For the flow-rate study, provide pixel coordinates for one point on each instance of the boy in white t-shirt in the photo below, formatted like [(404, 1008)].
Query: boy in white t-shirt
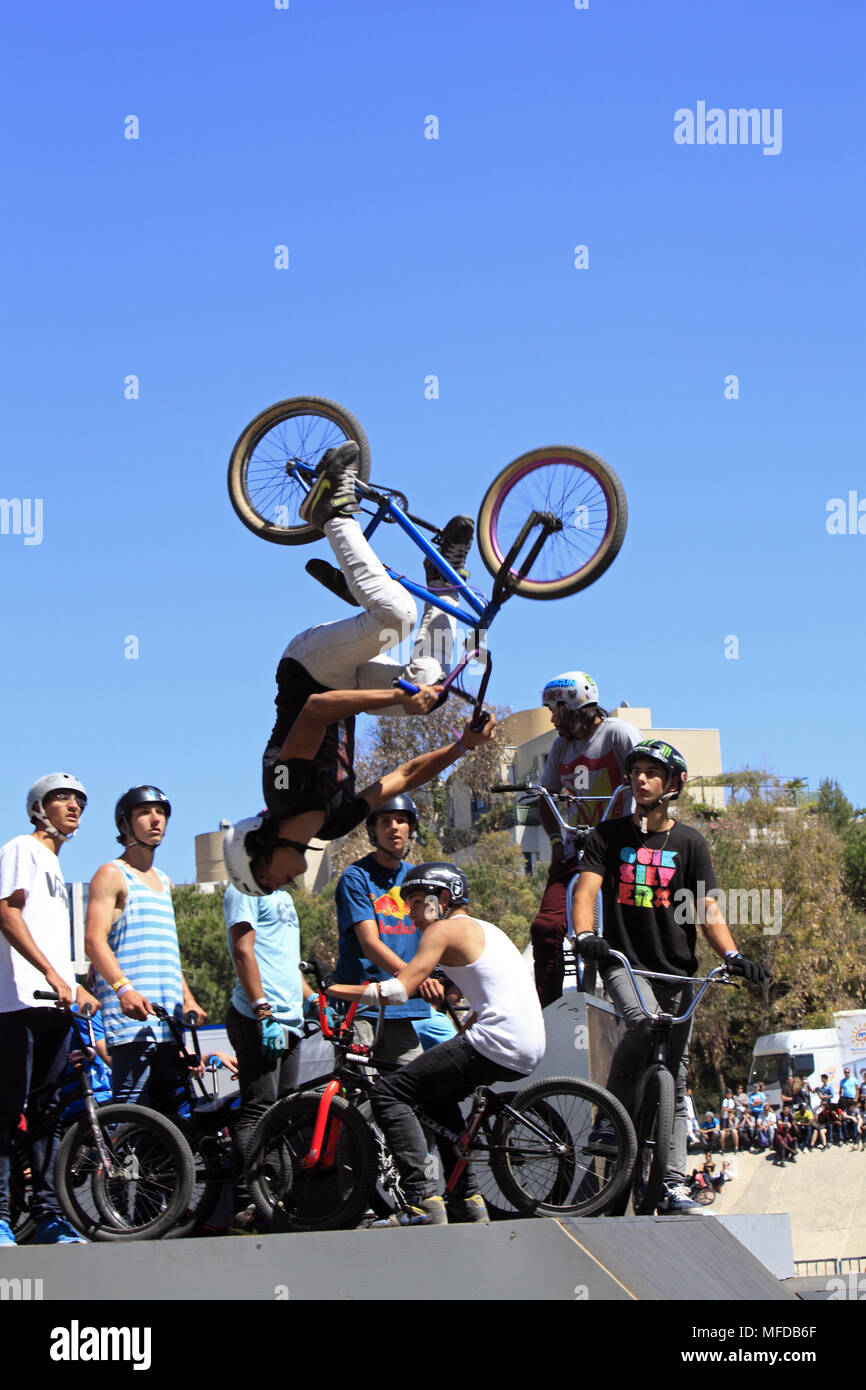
[(35, 955)]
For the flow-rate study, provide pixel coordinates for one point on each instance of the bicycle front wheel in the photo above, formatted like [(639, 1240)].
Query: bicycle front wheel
[(655, 1123), (563, 1148), (263, 491), (145, 1191), (580, 493), (332, 1193)]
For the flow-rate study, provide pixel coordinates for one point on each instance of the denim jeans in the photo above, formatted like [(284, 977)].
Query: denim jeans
[(436, 1081), (632, 1054), (34, 1044)]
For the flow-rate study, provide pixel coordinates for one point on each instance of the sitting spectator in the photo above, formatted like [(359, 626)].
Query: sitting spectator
[(710, 1131), (784, 1140), (854, 1124), (835, 1125), (804, 1124), (729, 1122), (822, 1125), (767, 1127), (693, 1136)]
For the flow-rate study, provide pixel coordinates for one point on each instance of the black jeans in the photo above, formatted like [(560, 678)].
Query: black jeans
[(34, 1044), (262, 1080), (437, 1081)]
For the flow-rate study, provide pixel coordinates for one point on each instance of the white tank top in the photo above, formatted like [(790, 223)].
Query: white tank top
[(509, 1028)]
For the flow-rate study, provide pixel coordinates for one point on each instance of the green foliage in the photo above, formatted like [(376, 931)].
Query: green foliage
[(832, 803), (204, 954), (854, 864), (814, 954), (501, 892)]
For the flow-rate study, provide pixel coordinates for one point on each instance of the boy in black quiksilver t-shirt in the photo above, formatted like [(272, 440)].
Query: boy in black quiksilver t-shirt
[(656, 879)]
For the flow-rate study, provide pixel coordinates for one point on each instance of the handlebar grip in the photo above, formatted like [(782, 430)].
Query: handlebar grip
[(46, 994), (407, 686), (509, 787)]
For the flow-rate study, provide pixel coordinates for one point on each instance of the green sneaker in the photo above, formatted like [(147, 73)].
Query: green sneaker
[(470, 1210), (333, 490)]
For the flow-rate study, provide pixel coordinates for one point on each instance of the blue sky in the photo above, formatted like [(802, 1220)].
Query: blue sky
[(409, 257)]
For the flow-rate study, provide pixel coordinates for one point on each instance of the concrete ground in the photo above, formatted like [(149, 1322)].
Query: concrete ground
[(824, 1193)]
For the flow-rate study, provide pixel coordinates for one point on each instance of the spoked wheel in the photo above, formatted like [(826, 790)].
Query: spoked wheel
[(567, 1151), (655, 1123), (582, 497), (704, 1196), (148, 1188), (330, 1195), (294, 432)]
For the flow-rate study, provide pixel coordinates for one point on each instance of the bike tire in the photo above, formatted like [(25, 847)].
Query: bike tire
[(212, 1159), (556, 1175), (330, 1196), (153, 1192), (581, 491), (301, 428), (704, 1196), (655, 1123)]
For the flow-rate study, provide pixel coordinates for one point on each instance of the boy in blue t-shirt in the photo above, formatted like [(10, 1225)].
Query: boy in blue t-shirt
[(377, 934)]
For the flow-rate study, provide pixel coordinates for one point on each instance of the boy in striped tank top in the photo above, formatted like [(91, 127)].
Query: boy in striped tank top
[(131, 938)]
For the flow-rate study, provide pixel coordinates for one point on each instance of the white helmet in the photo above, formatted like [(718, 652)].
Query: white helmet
[(51, 782), (573, 688), (237, 860)]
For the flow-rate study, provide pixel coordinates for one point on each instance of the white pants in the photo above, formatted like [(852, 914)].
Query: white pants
[(351, 654)]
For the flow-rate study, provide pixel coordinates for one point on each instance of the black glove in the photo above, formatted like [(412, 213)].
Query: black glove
[(592, 947), (748, 969)]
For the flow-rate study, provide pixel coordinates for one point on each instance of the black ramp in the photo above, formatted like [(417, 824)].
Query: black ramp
[(676, 1257)]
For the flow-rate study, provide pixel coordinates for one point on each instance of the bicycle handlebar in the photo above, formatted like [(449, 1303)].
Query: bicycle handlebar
[(549, 797), (719, 975)]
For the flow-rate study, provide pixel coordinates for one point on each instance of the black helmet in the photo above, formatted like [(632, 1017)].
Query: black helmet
[(397, 803), (657, 751), (432, 878), (138, 796)]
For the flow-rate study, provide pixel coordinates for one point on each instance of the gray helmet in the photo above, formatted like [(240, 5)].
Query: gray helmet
[(137, 796), (52, 782), (432, 878), (397, 803)]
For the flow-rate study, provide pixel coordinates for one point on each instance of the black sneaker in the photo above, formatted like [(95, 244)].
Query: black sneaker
[(455, 540), (678, 1202), (332, 578), (333, 490), (602, 1141)]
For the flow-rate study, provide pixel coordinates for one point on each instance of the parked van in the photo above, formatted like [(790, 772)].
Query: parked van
[(808, 1053)]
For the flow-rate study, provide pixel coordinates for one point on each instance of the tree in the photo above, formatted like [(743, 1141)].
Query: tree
[(500, 891), (204, 953), (786, 905), (832, 803)]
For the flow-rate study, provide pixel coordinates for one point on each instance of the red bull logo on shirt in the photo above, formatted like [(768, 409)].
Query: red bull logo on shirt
[(392, 914)]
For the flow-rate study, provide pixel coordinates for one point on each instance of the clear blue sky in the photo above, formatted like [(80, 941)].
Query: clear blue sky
[(411, 256)]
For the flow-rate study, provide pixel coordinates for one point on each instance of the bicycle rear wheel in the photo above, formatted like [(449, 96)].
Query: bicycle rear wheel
[(655, 1123), (294, 431), (577, 489), (333, 1193), (149, 1189), (567, 1151)]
